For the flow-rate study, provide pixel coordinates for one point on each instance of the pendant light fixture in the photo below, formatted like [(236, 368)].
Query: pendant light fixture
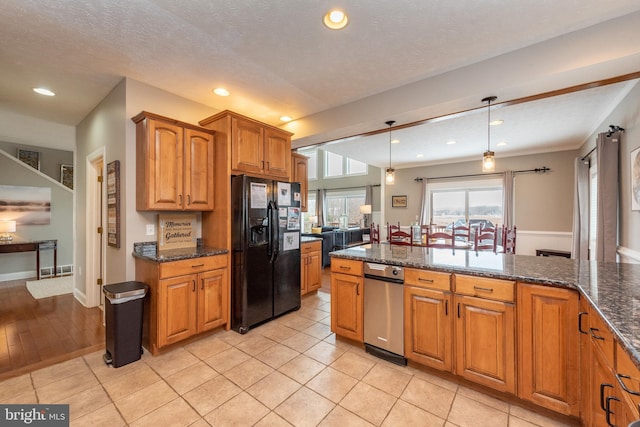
[(488, 158), (390, 176)]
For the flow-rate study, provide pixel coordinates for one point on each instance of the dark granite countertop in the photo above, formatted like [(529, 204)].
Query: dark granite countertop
[(307, 239), (149, 251), (613, 289)]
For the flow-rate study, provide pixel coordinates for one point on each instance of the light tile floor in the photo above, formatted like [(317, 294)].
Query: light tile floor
[(291, 371)]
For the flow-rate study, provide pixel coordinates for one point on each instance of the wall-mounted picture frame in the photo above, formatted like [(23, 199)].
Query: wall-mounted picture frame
[(32, 158), (113, 204), (66, 175), (635, 179), (398, 201)]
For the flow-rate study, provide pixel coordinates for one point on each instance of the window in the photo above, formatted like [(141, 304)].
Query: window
[(312, 163), (311, 212), (471, 201), (337, 166), (344, 202)]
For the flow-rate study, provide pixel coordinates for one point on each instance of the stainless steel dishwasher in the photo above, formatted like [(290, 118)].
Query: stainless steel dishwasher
[(383, 312)]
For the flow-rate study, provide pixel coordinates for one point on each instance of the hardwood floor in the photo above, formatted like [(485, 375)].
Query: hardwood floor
[(38, 333)]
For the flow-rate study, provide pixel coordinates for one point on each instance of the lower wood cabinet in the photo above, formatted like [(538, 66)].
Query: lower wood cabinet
[(428, 327), (310, 266), (548, 350), (186, 297), (485, 342), (347, 299)]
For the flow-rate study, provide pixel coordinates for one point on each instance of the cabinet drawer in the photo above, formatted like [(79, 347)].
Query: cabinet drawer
[(307, 247), (628, 375), (601, 336), (190, 266), (482, 287), (427, 279), (346, 266)]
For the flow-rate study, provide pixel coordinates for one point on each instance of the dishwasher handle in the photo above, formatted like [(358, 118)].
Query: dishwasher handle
[(384, 279)]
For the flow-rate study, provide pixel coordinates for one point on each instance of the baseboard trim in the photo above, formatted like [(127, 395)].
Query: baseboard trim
[(630, 254), (18, 275)]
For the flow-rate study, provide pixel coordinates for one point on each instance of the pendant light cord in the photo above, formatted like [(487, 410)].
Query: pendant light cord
[(489, 100), (390, 123)]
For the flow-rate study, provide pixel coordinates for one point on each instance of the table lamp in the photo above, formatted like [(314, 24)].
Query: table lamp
[(365, 210), (6, 227)]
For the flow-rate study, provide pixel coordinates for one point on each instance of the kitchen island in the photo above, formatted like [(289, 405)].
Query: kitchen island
[(548, 317)]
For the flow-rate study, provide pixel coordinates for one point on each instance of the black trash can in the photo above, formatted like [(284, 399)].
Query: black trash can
[(123, 306)]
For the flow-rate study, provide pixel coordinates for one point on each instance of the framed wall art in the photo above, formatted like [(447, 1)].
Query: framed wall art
[(398, 201), (635, 179), (66, 175), (32, 158), (113, 204)]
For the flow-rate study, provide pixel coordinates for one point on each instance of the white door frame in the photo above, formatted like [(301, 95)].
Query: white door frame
[(95, 247)]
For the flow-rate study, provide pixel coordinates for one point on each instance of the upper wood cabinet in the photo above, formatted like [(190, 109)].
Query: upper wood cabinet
[(174, 164), (300, 173), (255, 148)]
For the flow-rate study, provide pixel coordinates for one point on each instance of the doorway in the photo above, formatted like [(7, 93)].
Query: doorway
[(95, 214)]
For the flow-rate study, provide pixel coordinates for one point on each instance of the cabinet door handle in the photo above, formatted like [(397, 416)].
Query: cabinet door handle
[(425, 280), (357, 288), (345, 267), (595, 337), (624, 387), (194, 286), (188, 199), (202, 284), (446, 307), (480, 288), (180, 198), (580, 322), (197, 266), (608, 410), (458, 310), (602, 399)]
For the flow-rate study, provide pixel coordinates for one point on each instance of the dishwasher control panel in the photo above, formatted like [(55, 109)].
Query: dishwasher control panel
[(384, 271)]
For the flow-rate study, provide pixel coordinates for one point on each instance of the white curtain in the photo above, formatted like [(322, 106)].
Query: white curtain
[(580, 247), (507, 199), (424, 209), (368, 200), (607, 216), (320, 206)]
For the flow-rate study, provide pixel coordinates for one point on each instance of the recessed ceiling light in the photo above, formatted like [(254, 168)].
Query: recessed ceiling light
[(501, 143), (496, 122), (451, 142), (420, 155), (395, 141), (43, 91), (221, 91), (286, 118), (335, 19)]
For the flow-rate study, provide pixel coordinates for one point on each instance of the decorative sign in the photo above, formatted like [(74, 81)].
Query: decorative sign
[(176, 231), (113, 204)]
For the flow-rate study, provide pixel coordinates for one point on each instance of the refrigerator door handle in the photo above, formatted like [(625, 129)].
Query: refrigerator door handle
[(274, 231), (270, 231)]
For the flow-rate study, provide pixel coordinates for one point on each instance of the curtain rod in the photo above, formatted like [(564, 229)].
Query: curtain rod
[(347, 188), (543, 169)]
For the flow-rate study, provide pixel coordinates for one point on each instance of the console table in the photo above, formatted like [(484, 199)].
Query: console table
[(553, 252), (35, 246)]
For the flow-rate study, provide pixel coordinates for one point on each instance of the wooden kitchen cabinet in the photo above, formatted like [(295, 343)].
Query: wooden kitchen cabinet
[(427, 318), (187, 297), (347, 298), (548, 363), (174, 164), (585, 360), (310, 266), (485, 331), (300, 173)]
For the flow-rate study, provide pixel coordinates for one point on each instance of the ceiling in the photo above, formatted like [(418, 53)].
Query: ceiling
[(276, 58)]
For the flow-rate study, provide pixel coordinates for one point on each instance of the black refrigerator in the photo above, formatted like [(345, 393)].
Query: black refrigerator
[(265, 233)]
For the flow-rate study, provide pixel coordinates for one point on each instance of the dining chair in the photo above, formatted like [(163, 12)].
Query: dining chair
[(462, 231), (391, 228), (486, 239), (374, 233), (399, 237), (509, 240), (440, 239)]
